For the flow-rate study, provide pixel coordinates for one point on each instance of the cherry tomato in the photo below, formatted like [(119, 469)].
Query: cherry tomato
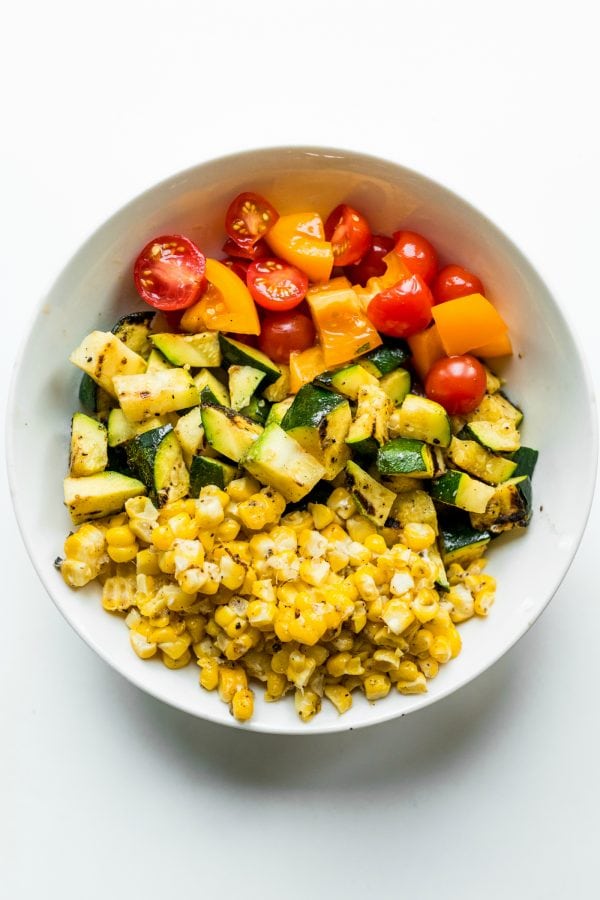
[(259, 250), (239, 266), (248, 219), (417, 253), (349, 234), (283, 333), (454, 281), (169, 272), (372, 262), (403, 309), (275, 284), (457, 383)]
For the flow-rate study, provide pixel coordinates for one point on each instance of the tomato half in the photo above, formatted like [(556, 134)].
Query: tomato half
[(259, 250), (249, 218), (454, 281), (403, 309), (349, 234), (275, 284), (456, 382), (417, 253), (169, 273), (372, 264), (285, 333)]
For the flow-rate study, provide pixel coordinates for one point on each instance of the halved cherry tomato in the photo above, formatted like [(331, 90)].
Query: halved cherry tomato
[(454, 281), (457, 383), (259, 250), (249, 218), (349, 234), (285, 333), (403, 309), (169, 273), (417, 253), (275, 284), (372, 263)]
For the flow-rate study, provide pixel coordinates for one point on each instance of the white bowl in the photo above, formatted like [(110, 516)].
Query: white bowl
[(545, 376)]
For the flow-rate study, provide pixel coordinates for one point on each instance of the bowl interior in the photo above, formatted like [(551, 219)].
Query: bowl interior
[(545, 377)]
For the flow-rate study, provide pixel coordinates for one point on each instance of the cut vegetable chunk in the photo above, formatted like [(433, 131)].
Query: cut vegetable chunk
[(89, 446), (205, 471), (372, 498), (343, 328), (243, 382), (237, 354), (404, 456), (423, 420), (460, 542), (228, 432), (95, 496), (156, 458), (396, 385), (102, 356), (211, 389), (509, 507), (278, 461), (500, 436), (189, 349), (466, 323), (319, 420), (190, 434), (477, 461), (459, 489), (144, 396)]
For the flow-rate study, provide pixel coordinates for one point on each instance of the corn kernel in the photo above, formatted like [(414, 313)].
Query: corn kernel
[(242, 488), (418, 536), (307, 704), (322, 515), (359, 528), (231, 680), (180, 663), (277, 685), (429, 667), (339, 696), (376, 685), (77, 573), (342, 503), (120, 536), (227, 530), (375, 543), (143, 648), (209, 672), (484, 601), (416, 686), (242, 705), (425, 605)]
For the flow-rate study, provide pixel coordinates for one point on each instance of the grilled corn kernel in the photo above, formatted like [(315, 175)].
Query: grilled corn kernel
[(401, 583), (242, 488), (77, 573), (277, 685), (339, 696), (142, 647), (307, 704), (342, 503), (359, 528), (227, 530), (484, 601), (120, 536), (180, 663), (440, 649), (146, 562), (385, 660), (375, 543), (196, 627), (418, 536), (397, 615), (231, 680), (376, 685), (416, 686), (425, 605), (209, 512), (314, 571), (162, 537), (242, 705), (463, 606), (429, 667), (209, 672), (118, 593), (322, 515)]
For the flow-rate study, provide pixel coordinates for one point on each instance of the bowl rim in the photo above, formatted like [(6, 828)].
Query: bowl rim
[(380, 712)]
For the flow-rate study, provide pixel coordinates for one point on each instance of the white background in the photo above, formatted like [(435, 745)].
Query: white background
[(105, 792)]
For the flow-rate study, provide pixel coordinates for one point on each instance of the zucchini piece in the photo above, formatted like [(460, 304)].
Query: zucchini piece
[(205, 471), (500, 436), (280, 389), (385, 359), (278, 411), (144, 396), (189, 349), (93, 398), (243, 382), (277, 460), (459, 489), (102, 356), (258, 410), (347, 381), (156, 458), (492, 382), (157, 362), (409, 507), (477, 461), (89, 446), (403, 456), (211, 388), (190, 434), (370, 426), (228, 432), (494, 407), (121, 430), (423, 420), (525, 459), (460, 542), (399, 484), (99, 495), (396, 385), (319, 420), (117, 461), (509, 507), (237, 354), (134, 330), (372, 498)]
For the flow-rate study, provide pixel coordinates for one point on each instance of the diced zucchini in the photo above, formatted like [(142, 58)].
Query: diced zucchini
[(347, 381), (121, 430), (258, 410), (500, 436), (93, 398), (370, 426), (386, 358), (495, 407), (477, 461), (399, 484), (459, 489), (396, 385), (103, 356), (205, 471), (243, 382), (492, 382), (156, 458), (421, 419), (278, 411), (280, 389), (403, 456), (99, 495), (237, 354), (509, 507), (227, 431), (190, 434), (460, 542), (89, 446), (278, 461), (409, 507), (157, 362), (134, 330), (372, 498), (144, 396), (189, 349), (211, 389), (525, 459), (319, 420)]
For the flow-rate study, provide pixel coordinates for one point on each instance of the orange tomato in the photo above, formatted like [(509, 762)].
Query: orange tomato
[(299, 238)]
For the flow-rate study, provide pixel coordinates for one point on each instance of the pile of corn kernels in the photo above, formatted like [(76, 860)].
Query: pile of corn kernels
[(312, 602)]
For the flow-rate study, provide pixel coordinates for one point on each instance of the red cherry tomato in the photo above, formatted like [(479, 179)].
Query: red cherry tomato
[(259, 250), (283, 333), (417, 253), (248, 219), (275, 284), (457, 382), (372, 263), (403, 309), (169, 272), (349, 234), (454, 281), (239, 266)]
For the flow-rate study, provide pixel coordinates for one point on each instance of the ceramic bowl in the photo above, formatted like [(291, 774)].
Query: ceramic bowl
[(546, 377)]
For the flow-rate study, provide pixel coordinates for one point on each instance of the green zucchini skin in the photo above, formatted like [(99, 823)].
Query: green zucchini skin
[(258, 410), (204, 471), (228, 432), (526, 459), (386, 358), (156, 457), (404, 456), (459, 541), (373, 499), (311, 405), (237, 354)]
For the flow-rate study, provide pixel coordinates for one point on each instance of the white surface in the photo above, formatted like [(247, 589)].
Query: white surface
[(544, 376), (493, 792)]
